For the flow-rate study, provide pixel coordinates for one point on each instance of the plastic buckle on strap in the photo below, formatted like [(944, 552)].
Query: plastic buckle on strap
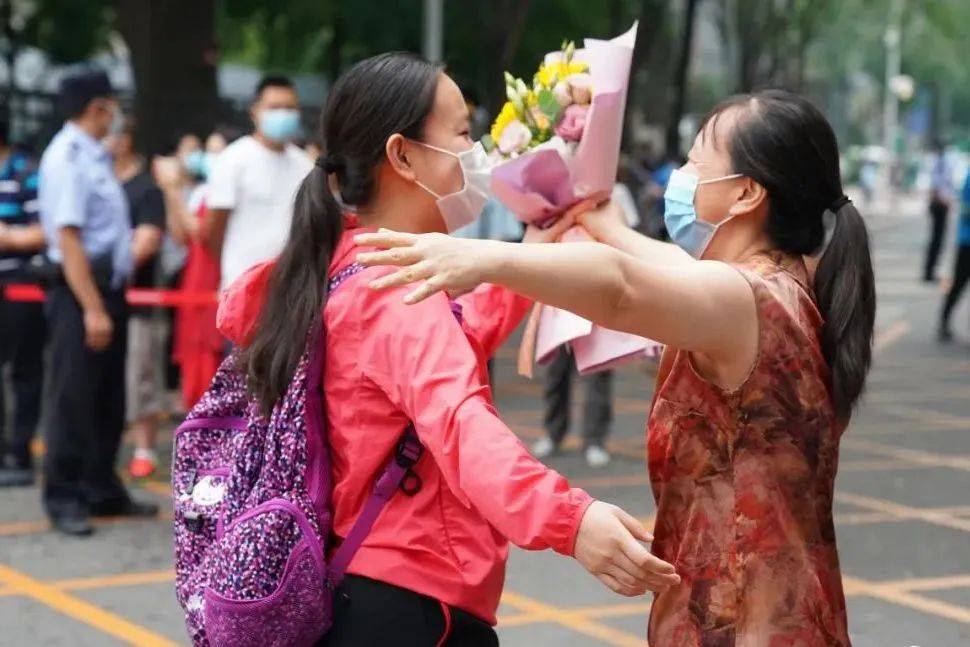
[(408, 452), (411, 483)]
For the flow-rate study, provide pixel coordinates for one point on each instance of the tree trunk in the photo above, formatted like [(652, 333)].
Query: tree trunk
[(334, 50), (653, 14), (505, 22), (173, 56), (680, 80)]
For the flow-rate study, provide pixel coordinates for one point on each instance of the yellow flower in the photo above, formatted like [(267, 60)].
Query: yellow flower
[(558, 71), (505, 117)]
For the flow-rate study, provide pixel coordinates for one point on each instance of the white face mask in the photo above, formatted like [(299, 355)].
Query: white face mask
[(465, 205)]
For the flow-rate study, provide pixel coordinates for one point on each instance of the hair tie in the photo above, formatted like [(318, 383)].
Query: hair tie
[(329, 163), (840, 202)]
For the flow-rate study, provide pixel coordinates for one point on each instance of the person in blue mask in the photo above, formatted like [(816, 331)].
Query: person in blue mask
[(766, 303), (251, 188)]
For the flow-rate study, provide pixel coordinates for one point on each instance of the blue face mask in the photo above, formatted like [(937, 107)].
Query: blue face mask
[(280, 125), (680, 216), (197, 163)]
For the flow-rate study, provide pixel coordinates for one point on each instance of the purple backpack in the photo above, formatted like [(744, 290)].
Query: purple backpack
[(252, 510)]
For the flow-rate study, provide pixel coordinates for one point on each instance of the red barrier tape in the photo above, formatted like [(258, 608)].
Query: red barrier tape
[(135, 296)]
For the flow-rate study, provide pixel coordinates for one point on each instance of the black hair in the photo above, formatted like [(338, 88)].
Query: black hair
[(376, 98), (784, 143), (78, 90), (272, 81)]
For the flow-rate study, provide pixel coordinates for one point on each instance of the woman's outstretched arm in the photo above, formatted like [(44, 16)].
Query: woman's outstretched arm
[(701, 306), (607, 225)]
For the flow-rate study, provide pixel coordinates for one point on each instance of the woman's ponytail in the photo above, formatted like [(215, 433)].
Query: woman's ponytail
[(846, 294), (297, 290)]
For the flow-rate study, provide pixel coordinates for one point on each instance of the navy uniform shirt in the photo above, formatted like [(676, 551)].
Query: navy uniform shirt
[(18, 202), (78, 188)]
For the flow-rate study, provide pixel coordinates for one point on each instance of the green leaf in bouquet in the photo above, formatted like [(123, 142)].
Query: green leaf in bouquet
[(488, 143), (549, 106)]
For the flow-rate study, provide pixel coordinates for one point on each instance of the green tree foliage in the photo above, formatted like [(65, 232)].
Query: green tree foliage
[(67, 31)]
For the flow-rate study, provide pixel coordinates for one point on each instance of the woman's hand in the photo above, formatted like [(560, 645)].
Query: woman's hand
[(603, 223), (552, 234), (443, 262), (608, 546)]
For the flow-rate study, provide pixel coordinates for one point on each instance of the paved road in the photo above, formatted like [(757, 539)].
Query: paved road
[(903, 513)]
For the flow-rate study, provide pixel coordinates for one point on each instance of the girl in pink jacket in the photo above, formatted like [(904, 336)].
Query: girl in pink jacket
[(431, 571)]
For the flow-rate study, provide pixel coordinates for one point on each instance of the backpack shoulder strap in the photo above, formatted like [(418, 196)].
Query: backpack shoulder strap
[(406, 454), (396, 470)]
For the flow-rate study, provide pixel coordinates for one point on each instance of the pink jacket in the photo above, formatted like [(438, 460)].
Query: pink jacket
[(388, 363)]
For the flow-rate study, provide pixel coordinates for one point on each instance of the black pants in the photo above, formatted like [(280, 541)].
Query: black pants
[(598, 411), (938, 215), (370, 613), (22, 336), (87, 406), (961, 274)]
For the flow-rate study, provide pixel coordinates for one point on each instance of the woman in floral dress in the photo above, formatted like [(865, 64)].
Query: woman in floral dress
[(768, 323)]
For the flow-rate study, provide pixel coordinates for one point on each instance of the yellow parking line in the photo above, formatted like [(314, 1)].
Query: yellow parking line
[(81, 610), (899, 592), (886, 338), (928, 418), (902, 597), (900, 511), (874, 465), (614, 610), (929, 583), (16, 528), (23, 528), (121, 579), (861, 518), (606, 611), (910, 455), (542, 612), (103, 581), (519, 619)]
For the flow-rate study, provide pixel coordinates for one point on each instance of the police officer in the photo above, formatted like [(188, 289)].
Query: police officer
[(21, 324), (85, 220)]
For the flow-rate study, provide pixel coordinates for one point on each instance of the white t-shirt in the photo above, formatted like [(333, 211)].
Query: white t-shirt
[(257, 185)]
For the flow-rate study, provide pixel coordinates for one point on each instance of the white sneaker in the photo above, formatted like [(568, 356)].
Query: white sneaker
[(543, 448), (596, 456)]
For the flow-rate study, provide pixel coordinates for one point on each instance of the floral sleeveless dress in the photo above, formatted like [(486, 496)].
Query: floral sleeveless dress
[(743, 482)]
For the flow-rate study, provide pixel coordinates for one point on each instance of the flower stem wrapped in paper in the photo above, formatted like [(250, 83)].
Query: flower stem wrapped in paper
[(554, 145)]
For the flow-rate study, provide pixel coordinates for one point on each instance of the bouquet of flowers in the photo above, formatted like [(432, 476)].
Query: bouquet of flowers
[(551, 114), (554, 144)]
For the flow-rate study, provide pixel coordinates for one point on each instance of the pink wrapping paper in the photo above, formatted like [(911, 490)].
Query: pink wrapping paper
[(542, 184)]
